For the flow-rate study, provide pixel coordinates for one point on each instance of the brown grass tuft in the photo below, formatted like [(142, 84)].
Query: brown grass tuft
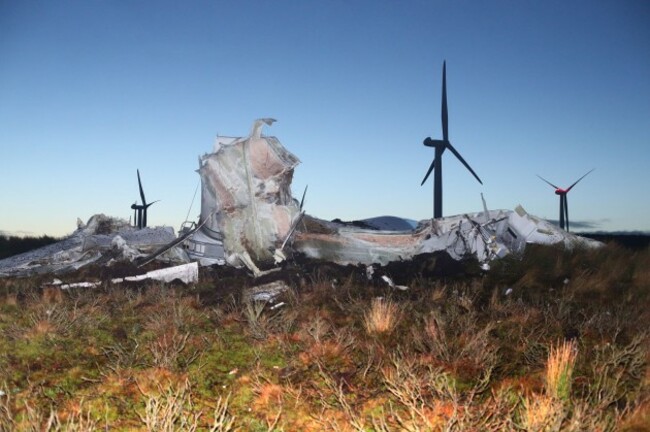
[(559, 370), (382, 317), (541, 413), (52, 295)]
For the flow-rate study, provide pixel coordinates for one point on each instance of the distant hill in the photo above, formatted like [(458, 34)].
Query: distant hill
[(384, 223), (390, 223), (630, 240), (14, 245)]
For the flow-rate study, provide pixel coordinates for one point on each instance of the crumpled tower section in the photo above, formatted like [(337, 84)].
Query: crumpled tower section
[(246, 184)]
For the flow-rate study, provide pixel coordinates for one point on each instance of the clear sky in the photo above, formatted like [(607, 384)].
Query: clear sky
[(92, 90)]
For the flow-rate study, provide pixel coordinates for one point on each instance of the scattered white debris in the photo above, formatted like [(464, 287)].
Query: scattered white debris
[(237, 259), (186, 273), (370, 270), (391, 284), (508, 291), (279, 256), (277, 305), (266, 292), (81, 285), (566, 281), (126, 251)]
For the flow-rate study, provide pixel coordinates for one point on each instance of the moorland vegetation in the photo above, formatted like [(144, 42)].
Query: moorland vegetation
[(554, 340)]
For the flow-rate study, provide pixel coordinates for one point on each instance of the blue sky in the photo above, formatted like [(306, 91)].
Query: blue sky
[(92, 90)]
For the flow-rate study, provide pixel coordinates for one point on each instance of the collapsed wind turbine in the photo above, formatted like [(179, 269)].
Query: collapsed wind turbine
[(564, 204), (440, 146), (140, 211)]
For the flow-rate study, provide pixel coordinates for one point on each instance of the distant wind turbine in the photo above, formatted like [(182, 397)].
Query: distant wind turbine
[(140, 211), (564, 204), (440, 146)]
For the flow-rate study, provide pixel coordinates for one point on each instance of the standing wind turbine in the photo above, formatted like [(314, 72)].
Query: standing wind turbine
[(440, 147), (564, 204), (140, 211)]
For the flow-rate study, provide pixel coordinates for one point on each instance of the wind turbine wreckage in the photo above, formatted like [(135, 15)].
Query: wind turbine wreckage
[(249, 218)]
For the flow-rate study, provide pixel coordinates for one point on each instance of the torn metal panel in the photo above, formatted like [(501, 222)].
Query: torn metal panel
[(246, 184)]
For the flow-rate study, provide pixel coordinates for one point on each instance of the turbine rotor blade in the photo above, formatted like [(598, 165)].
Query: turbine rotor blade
[(576, 182), (302, 201), (460, 158), (146, 206), (426, 176), (144, 202), (445, 117), (548, 182)]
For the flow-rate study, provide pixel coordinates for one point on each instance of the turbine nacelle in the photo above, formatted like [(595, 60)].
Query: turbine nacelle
[(435, 143)]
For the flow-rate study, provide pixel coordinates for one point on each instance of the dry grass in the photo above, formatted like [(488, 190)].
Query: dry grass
[(382, 316), (559, 370), (454, 354), (173, 409), (541, 413)]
